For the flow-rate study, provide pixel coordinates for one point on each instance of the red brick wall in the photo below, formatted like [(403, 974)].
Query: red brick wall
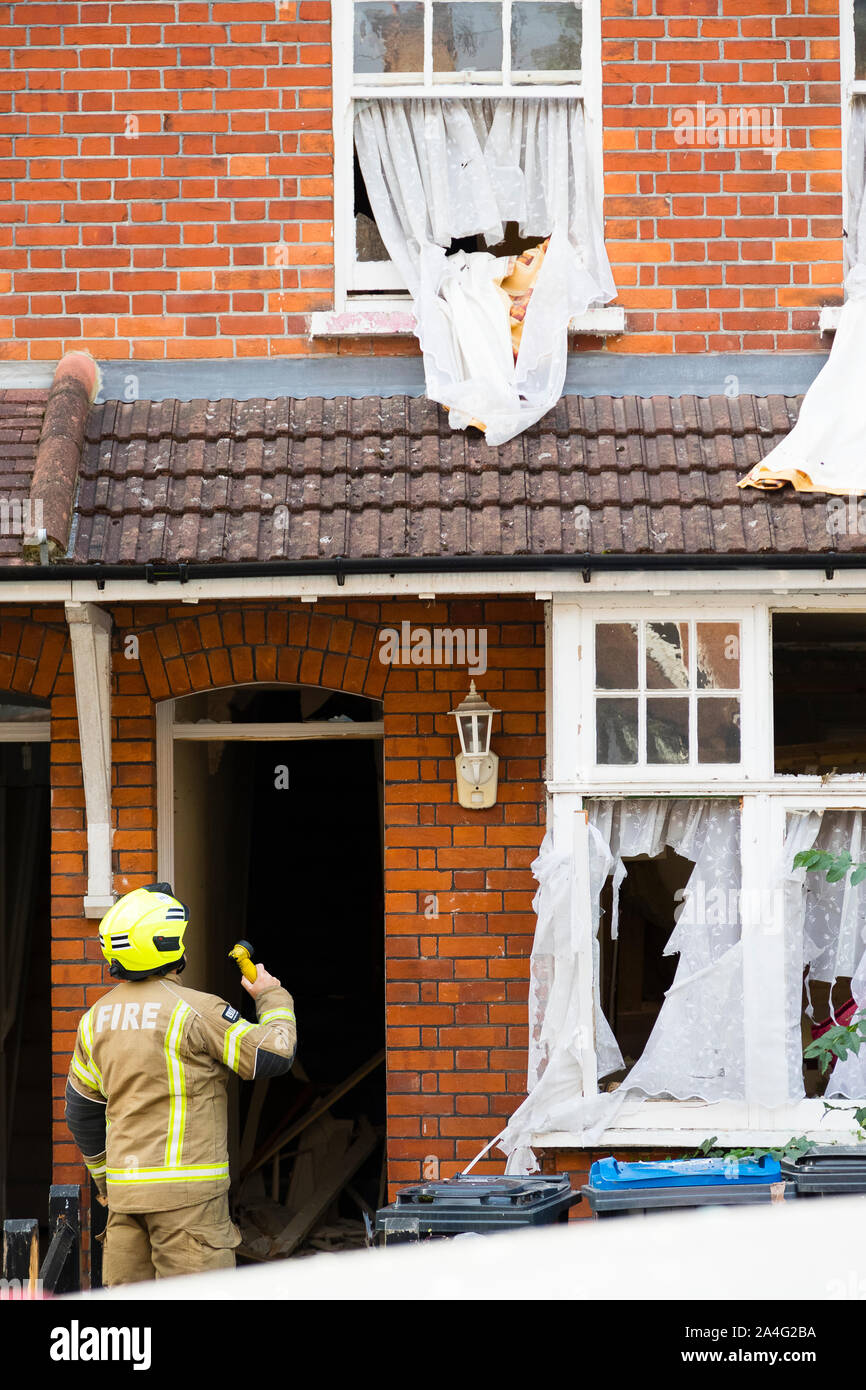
[(722, 249), (165, 245), (456, 983)]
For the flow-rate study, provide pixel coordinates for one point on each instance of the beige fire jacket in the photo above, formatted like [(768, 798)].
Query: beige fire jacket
[(149, 1073)]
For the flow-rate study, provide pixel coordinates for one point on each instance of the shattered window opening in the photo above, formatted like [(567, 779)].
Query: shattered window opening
[(819, 688)]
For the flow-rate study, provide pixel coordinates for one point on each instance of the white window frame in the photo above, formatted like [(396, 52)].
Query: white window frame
[(765, 796), (651, 772), (374, 300)]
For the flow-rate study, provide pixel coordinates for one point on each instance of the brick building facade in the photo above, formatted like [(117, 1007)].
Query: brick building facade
[(167, 203), (168, 178)]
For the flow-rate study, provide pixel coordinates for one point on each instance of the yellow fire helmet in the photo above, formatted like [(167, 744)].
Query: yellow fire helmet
[(143, 933)]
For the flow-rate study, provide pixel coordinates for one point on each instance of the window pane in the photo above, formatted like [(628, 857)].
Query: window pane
[(545, 37), (667, 656), (467, 37), (616, 656), (718, 656), (859, 40), (389, 37), (718, 730), (667, 731), (616, 731)]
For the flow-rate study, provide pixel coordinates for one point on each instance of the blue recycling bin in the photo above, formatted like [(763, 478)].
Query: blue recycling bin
[(619, 1189)]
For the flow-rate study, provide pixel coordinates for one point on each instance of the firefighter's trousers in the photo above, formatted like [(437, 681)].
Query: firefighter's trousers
[(159, 1244)]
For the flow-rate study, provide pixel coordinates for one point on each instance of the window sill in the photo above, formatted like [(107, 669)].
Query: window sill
[(394, 318), (828, 320), (686, 1124)]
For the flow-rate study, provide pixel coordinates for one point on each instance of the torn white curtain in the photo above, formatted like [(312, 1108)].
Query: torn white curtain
[(696, 1049), (825, 925), (439, 170), (826, 449)]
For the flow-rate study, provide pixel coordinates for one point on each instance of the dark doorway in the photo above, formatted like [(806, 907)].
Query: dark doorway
[(280, 842), (25, 980)]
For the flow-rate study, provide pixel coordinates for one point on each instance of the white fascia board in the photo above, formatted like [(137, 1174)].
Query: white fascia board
[(777, 583), (90, 639)]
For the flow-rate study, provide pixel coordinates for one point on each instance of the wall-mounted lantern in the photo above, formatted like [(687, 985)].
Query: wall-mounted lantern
[(477, 767)]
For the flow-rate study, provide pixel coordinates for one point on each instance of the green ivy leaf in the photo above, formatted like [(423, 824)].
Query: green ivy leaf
[(807, 859), (836, 1043), (837, 873), (858, 875)]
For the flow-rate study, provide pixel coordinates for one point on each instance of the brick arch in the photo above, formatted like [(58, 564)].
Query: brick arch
[(266, 642), (30, 656)]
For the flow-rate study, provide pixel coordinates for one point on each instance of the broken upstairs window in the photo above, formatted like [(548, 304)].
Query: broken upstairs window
[(474, 190), (819, 691)]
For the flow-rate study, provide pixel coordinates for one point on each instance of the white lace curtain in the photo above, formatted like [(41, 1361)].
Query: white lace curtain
[(826, 449), (825, 926), (439, 170), (697, 1048)]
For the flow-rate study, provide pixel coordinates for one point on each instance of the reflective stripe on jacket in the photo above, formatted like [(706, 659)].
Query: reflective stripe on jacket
[(156, 1056)]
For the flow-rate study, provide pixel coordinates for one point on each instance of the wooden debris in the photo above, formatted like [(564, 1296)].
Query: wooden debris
[(314, 1113), (328, 1187)]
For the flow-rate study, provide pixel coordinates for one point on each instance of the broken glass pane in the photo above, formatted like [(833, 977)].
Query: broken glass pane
[(369, 245), (667, 656), (545, 37), (718, 656), (467, 37), (667, 731), (616, 656), (616, 731), (389, 37), (718, 730)]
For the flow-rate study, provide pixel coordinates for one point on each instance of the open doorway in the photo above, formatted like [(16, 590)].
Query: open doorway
[(25, 959), (278, 839)]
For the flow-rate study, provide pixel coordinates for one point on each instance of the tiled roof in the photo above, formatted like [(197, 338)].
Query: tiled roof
[(21, 415), (320, 478), (316, 479)]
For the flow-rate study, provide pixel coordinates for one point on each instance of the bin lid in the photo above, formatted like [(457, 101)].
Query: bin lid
[(829, 1158), (496, 1191), (608, 1174)]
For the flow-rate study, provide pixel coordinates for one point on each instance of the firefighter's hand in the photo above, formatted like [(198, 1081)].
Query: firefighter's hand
[(262, 981)]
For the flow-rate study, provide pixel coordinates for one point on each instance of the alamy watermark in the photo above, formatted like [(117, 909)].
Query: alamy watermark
[(728, 127), (845, 516), (436, 646), (20, 1290), (714, 906), (77, 1343), (20, 516)]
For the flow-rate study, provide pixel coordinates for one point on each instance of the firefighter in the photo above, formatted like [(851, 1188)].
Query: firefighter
[(146, 1093)]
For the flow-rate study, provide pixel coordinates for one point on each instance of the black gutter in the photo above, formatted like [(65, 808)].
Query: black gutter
[(339, 567)]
